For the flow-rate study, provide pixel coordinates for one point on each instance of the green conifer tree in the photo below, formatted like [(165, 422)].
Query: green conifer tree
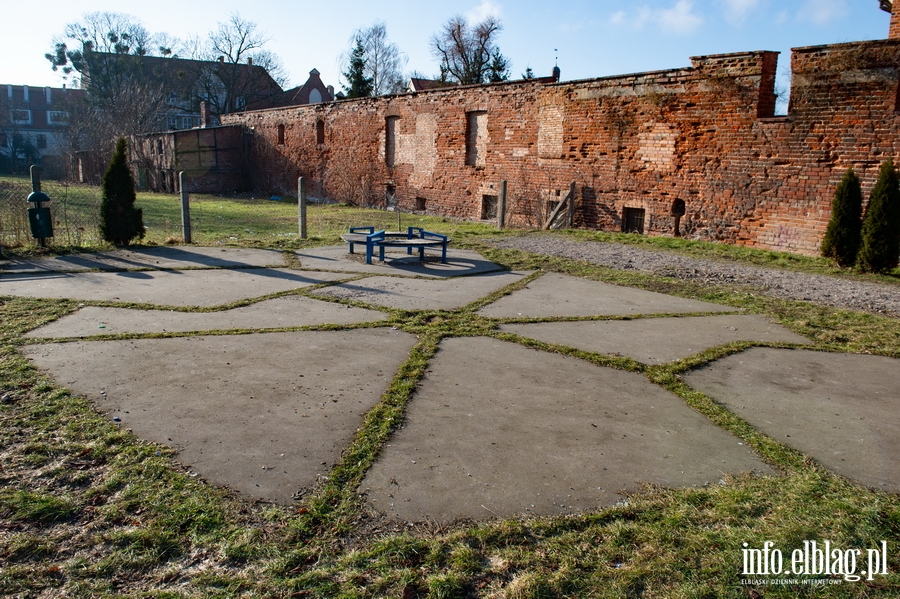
[(880, 249), (842, 237), (358, 85), (120, 220)]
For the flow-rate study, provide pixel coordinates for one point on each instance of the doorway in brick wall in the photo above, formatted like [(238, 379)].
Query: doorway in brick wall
[(633, 220), (488, 207)]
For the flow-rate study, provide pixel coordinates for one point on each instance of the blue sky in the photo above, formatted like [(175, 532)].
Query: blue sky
[(592, 38)]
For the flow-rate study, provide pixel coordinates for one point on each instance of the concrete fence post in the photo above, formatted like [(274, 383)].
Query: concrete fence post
[(501, 206), (301, 206), (185, 209)]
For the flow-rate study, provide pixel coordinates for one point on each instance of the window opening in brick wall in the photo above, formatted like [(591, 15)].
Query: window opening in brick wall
[(390, 196), (476, 135), (420, 204), (678, 210), (280, 135), (551, 206), (633, 220), (320, 132), (159, 147), (488, 207), (390, 139)]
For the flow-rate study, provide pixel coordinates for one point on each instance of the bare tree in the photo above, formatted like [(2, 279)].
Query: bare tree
[(384, 62), (227, 82), (124, 71), (469, 54), (110, 33)]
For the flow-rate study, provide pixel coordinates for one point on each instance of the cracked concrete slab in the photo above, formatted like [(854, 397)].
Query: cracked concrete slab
[(397, 262), (281, 312), (166, 288), (841, 409), (657, 340), (422, 294), (264, 414), (162, 257), (563, 295), (496, 429)]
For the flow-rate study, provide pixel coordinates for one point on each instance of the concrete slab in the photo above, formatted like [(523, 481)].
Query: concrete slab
[(397, 262), (281, 312), (496, 429), (167, 288), (264, 414), (841, 409), (422, 294), (163, 257), (562, 295), (657, 340)]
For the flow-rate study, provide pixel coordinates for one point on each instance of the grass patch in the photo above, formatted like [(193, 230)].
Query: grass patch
[(90, 510)]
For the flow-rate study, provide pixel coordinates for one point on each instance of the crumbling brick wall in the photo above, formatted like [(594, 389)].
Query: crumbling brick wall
[(635, 145)]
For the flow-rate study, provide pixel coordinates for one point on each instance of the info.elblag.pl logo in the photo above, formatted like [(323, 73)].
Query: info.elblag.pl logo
[(814, 559)]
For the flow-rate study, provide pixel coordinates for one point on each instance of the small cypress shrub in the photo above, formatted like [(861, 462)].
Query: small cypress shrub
[(842, 237), (120, 220), (880, 249)]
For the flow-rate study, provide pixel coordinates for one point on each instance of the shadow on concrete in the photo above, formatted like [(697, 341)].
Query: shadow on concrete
[(459, 262), (162, 258)]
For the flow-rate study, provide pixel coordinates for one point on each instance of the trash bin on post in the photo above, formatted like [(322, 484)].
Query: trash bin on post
[(39, 216)]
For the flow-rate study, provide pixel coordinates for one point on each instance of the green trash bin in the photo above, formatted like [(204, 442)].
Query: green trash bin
[(41, 223)]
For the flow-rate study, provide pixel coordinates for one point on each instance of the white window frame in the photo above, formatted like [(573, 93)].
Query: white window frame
[(20, 121), (57, 117)]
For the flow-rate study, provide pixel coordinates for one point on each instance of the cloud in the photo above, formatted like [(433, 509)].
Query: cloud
[(736, 11), (482, 11), (822, 12), (680, 18)]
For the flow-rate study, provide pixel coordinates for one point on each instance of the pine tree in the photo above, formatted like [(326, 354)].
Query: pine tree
[(880, 249), (499, 68), (120, 220), (358, 85), (842, 237)]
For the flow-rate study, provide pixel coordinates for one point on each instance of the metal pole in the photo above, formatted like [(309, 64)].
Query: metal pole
[(501, 206), (185, 209), (570, 219), (36, 171), (301, 206)]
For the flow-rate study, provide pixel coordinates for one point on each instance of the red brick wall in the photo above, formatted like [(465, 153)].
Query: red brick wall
[(894, 31), (703, 134)]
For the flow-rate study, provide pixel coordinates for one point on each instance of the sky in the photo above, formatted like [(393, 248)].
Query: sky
[(586, 38)]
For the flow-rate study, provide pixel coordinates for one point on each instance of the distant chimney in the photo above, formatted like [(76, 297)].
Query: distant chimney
[(330, 89), (222, 59), (250, 61), (556, 74), (204, 114)]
